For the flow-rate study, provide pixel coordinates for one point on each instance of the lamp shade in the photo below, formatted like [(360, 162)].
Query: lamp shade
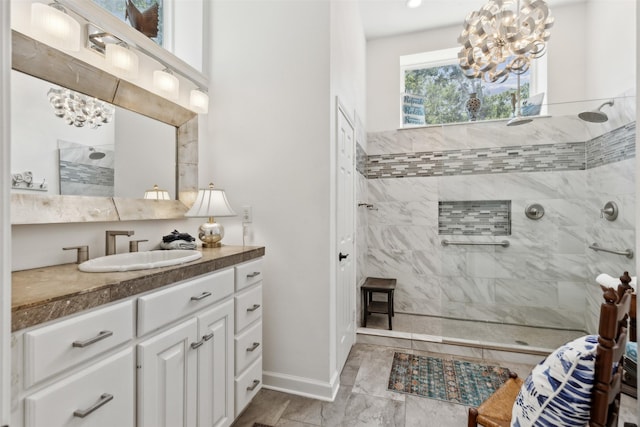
[(166, 84), (54, 27), (210, 202), (122, 60), (156, 194), (199, 101)]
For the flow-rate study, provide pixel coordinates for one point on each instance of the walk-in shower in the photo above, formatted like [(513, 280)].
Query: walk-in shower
[(448, 197)]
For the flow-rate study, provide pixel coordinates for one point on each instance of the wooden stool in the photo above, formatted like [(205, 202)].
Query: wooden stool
[(379, 285)]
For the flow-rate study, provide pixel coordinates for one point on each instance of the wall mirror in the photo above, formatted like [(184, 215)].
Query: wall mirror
[(142, 119)]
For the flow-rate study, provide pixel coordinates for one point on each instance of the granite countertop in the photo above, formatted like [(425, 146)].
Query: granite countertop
[(43, 294)]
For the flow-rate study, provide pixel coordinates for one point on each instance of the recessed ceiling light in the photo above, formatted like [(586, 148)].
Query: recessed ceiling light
[(413, 3)]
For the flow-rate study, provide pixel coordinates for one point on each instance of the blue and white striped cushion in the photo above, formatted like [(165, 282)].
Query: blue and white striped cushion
[(558, 391)]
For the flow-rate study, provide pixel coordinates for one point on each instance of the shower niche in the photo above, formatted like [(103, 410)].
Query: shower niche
[(474, 218)]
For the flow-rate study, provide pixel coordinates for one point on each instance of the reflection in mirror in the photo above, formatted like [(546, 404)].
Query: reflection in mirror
[(139, 152)]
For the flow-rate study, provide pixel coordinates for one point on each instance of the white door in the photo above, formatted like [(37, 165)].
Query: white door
[(215, 367), (345, 304), (167, 378)]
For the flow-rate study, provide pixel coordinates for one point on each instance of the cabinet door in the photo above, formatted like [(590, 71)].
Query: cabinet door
[(167, 378), (215, 367), (99, 396)]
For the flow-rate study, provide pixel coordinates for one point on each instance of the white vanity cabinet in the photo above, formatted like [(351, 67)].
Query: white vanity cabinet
[(184, 378), (185, 355), (248, 328)]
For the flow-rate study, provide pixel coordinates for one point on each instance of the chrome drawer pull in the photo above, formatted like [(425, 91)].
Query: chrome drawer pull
[(254, 308), (254, 346), (254, 385), (201, 296), (207, 337), (102, 335), (104, 399), (254, 274), (195, 345)]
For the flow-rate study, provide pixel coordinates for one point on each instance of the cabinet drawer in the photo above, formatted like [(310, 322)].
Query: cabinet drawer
[(248, 307), (51, 349), (165, 306), (248, 347), (248, 384), (69, 401), (248, 273)]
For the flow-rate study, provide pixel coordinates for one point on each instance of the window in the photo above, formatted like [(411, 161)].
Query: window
[(435, 91)]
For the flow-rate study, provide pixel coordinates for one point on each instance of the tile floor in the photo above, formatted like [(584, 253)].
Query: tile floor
[(364, 401)]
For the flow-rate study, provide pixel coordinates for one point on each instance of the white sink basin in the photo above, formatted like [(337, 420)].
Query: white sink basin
[(139, 260)]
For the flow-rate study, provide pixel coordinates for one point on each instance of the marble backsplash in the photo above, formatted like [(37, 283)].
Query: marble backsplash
[(546, 276)]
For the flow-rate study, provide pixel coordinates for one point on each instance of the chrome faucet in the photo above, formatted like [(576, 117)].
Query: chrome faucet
[(110, 246)]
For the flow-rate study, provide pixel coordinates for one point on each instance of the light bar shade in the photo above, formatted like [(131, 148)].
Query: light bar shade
[(210, 202), (156, 194), (54, 27), (199, 102), (122, 60), (166, 84)]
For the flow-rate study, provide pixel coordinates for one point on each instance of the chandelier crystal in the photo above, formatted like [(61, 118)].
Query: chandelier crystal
[(79, 110), (500, 39)]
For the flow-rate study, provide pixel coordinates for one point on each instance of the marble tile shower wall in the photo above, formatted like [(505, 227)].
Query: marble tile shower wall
[(545, 277)]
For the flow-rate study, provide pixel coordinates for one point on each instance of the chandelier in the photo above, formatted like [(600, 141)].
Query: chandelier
[(499, 39), (79, 110)]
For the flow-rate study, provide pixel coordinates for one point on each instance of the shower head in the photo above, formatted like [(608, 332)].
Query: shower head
[(596, 116), (95, 155), (519, 120)]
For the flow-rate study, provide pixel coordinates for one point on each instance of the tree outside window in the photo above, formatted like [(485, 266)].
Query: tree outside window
[(440, 93)]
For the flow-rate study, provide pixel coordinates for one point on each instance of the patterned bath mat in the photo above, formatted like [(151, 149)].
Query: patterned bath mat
[(455, 381)]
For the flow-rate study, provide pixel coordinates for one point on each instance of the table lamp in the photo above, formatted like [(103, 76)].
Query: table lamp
[(211, 202)]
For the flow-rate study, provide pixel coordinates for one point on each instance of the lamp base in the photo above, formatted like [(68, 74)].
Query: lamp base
[(211, 245), (211, 233)]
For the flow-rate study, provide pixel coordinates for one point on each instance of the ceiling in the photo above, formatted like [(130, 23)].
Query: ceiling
[(383, 18)]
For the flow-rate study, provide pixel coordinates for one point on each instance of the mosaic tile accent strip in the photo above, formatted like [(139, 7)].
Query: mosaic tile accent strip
[(361, 159), (614, 146), (86, 174), (519, 158), (475, 218)]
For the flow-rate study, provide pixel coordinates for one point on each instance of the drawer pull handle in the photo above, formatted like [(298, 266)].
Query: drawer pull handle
[(254, 308), (195, 345), (104, 399), (254, 346), (102, 335), (252, 275), (254, 385), (201, 296), (207, 337)]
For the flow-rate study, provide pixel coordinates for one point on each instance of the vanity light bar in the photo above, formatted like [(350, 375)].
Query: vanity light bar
[(52, 25)]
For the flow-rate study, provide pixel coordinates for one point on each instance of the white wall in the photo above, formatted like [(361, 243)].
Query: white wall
[(269, 148), (591, 54)]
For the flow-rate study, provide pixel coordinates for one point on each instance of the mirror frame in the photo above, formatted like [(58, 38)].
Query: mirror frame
[(44, 62)]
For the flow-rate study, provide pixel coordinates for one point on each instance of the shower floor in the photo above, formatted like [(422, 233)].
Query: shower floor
[(487, 333)]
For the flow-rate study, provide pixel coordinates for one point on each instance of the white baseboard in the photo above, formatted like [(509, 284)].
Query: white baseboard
[(300, 386)]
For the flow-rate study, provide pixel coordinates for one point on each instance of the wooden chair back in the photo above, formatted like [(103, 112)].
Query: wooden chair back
[(605, 396), (612, 340)]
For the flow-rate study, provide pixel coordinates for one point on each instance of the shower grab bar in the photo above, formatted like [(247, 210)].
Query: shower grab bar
[(628, 253), (504, 243)]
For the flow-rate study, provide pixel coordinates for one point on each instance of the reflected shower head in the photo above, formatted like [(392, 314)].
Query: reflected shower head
[(95, 155), (596, 116), (519, 120)]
